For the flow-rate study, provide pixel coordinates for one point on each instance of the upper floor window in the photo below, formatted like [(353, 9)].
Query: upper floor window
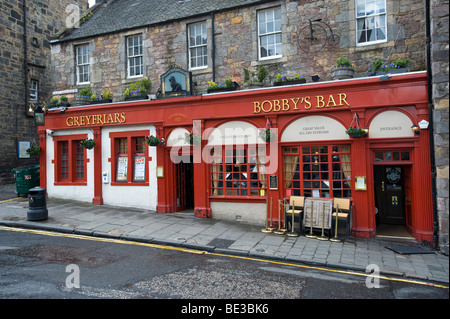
[(198, 56), (269, 33), (135, 56), (370, 21), (83, 65), (34, 88)]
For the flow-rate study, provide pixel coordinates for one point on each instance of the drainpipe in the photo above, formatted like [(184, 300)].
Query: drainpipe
[(213, 49), (25, 72), (431, 125)]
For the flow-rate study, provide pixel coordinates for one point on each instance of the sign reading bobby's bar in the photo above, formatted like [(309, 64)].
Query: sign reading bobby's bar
[(298, 103), (96, 119)]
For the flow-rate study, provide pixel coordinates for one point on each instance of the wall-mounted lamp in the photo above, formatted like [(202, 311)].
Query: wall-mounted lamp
[(415, 129), (366, 130), (38, 113)]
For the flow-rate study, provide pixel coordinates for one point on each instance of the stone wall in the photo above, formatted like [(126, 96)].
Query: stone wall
[(440, 71), (236, 46), (43, 19)]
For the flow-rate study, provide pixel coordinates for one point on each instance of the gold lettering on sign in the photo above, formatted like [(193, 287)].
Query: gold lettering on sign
[(99, 119), (299, 103)]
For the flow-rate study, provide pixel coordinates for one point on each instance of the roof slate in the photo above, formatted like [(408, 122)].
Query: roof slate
[(119, 15)]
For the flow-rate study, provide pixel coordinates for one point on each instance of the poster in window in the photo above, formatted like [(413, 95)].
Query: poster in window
[(139, 169), (122, 169)]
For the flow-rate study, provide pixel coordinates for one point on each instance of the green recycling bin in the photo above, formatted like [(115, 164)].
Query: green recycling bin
[(26, 177)]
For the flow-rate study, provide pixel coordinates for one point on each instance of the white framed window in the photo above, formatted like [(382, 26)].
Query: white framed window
[(370, 21), (269, 34), (83, 63), (135, 56), (198, 49), (34, 89)]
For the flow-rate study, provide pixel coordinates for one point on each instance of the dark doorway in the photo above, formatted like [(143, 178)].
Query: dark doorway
[(390, 194), (184, 184)]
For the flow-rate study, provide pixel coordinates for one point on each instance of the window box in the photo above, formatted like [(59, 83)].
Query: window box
[(290, 82)]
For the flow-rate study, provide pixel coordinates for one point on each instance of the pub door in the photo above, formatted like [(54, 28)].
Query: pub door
[(390, 194), (184, 185)]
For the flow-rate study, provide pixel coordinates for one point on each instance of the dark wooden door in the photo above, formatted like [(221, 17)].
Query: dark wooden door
[(390, 194)]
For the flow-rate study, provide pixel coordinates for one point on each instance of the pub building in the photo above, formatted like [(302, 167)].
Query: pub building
[(211, 156), (231, 173)]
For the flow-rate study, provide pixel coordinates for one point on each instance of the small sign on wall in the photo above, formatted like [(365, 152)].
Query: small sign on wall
[(23, 146)]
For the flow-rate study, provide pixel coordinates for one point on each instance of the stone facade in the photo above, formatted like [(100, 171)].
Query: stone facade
[(236, 46), (440, 72), (43, 20)]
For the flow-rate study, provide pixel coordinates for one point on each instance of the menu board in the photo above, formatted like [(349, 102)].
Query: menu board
[(321, 210), (122, 169), (139, 169)]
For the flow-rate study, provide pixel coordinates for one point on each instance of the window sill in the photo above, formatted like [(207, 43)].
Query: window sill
[(129, 184), (70, 183), (237, 199)]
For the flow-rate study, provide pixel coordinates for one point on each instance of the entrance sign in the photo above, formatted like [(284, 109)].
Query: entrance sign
[(391, 124), (314, 128)]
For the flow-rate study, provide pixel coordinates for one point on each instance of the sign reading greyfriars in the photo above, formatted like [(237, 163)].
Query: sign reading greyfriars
[(176, 82)]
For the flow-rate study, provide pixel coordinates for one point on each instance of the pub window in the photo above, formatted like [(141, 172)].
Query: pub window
[(34, 89), (83, 64), (131, 158), (269, 33), (70, 161), (135, 56), (392, 156), (238, 171), (198, 56), (370, 21), (317, 171)]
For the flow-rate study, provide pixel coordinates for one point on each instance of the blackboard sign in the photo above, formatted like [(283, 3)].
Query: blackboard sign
[(273, 182)]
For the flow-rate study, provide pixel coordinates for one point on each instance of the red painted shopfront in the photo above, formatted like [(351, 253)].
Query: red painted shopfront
[(312, 155)]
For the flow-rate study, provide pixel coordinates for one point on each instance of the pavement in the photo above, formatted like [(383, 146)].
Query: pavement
[(224, 237)]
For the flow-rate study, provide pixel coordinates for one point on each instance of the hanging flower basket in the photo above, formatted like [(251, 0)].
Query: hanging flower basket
[(355, 129), (193, 138), (152, 140), (267, 135), (34, 150), (88, 143), (356, 132)]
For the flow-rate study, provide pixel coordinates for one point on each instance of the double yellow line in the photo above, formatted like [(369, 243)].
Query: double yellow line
[(201, 252)]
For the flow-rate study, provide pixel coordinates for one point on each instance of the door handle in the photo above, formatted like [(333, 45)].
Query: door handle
[(382, 186)]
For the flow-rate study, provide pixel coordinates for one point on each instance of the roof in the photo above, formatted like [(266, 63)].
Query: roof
[(120, 15)]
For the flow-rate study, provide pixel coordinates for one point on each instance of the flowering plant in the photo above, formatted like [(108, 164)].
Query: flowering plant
[(280, 78), (88, 143), (34, 150), (267, 135), (259, 76), (343, 62), (192, 138), (152, 140), (377, 65)]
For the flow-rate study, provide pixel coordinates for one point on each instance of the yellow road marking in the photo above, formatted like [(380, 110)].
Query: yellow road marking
[(201, 252), (10, 200)]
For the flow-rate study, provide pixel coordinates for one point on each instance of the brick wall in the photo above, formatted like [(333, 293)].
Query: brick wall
[(44, 18), (236, 45)]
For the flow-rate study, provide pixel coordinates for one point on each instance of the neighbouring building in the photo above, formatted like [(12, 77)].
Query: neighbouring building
[(185, 49), (26, 28)]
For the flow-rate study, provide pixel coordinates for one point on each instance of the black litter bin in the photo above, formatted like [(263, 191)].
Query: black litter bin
[(37, 208)]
